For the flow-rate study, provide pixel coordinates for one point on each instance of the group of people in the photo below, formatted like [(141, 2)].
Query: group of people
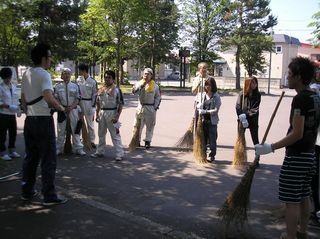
[(76, 101)]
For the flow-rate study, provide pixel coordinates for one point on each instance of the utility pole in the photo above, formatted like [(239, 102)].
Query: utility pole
[(270, 57)]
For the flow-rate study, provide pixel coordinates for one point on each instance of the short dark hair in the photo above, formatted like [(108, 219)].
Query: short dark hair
[(39, 51), (83, 67), (110, 73), (304, 67), (5, 73)]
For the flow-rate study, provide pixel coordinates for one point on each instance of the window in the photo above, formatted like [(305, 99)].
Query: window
[(278, 49)]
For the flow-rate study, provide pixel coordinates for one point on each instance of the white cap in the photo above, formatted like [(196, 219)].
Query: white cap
[(66, 70), (148, 70)]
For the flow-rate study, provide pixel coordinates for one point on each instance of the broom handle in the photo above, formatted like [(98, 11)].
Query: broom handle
[(272, 117)]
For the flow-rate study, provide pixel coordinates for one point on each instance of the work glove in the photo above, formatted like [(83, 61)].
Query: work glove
[(93, 111), (117, 125), (14, 108), (201, 111), (242, 117), (97, 118), (263, 149), (245, 123)]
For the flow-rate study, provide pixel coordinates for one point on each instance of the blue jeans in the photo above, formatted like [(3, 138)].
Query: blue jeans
[(210, 136), (40, 144)]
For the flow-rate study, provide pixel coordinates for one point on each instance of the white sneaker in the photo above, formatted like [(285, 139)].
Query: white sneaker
[(96, 155), (81, 152), (14, 154), (6, 157)]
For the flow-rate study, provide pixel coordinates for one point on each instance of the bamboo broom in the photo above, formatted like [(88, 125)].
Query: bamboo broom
[(85, 136), (67, 144), (199, 147), (240, 152), (186, 141), (235, 207), (134, 143)]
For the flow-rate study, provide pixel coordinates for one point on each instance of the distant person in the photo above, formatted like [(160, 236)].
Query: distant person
[(88, 90), (247, 107), (209, 111), (68, 95), (9, 107), (109, 107), (299, 163), (39, 131), (198, 82), (149, 101)]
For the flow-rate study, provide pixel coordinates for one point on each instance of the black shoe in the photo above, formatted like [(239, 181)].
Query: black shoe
[(29, 196), (147, 144), (54, 201), (93, 146), (211, 159)]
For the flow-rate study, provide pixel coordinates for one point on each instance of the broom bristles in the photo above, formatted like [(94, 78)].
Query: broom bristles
[(199, 147), (85, 136), (236, 205), (186, 141), (240, 152), (134, 143)]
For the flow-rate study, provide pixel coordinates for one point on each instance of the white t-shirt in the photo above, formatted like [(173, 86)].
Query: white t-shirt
[(34, 82)]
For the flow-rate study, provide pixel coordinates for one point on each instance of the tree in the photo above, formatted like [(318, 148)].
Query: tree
[(203, 26), (316, 23), (249, 23)]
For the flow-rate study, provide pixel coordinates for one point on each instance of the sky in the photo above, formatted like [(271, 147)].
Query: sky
[(294, 17)]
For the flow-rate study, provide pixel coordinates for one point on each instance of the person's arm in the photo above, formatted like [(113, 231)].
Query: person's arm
[(120, 103), (195, 86), (157, 98), (254, 109), (51, 100), (239, 104), (138, 86)]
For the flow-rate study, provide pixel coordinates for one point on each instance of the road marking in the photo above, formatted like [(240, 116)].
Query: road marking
[(142, 221)]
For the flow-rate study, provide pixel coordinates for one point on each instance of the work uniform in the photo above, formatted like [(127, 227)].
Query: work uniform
[(88, 91), (109, 103), (199, 81), (67, 94), (149, 101)]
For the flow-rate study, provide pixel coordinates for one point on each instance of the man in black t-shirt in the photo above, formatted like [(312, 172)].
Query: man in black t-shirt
[(298, 165)]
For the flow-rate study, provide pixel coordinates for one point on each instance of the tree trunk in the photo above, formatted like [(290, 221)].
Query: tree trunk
[(238, 67)]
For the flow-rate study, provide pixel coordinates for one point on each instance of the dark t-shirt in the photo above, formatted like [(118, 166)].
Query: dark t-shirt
[(308, 102)]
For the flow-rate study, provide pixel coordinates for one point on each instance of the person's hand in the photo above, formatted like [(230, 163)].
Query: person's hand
[(202, 111), (245, 123), (14, 108), (242, 117), (263, 149), (97, 118)]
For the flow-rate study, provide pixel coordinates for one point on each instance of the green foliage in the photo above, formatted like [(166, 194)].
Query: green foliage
[(316, 23), (249, 23)]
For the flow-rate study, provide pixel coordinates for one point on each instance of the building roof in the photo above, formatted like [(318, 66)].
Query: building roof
[(283, 38)]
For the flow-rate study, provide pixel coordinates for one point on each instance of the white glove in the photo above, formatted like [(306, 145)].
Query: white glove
[(263, 149), (199, 106), (92, 111), (14, 108), (117, 125), (201, 111), (245, 123), (242, 117)]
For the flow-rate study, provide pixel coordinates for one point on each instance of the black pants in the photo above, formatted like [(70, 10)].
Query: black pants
[(40, 144), (315, 182), (7, 123), (254, 129)]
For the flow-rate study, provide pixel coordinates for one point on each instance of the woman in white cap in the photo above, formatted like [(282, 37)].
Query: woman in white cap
[(149, 101)]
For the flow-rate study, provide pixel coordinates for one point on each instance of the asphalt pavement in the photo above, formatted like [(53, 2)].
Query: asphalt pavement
[(156, 193)]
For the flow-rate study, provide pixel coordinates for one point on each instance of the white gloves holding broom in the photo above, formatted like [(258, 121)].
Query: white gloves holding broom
[(263, 149), (243, 120)]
